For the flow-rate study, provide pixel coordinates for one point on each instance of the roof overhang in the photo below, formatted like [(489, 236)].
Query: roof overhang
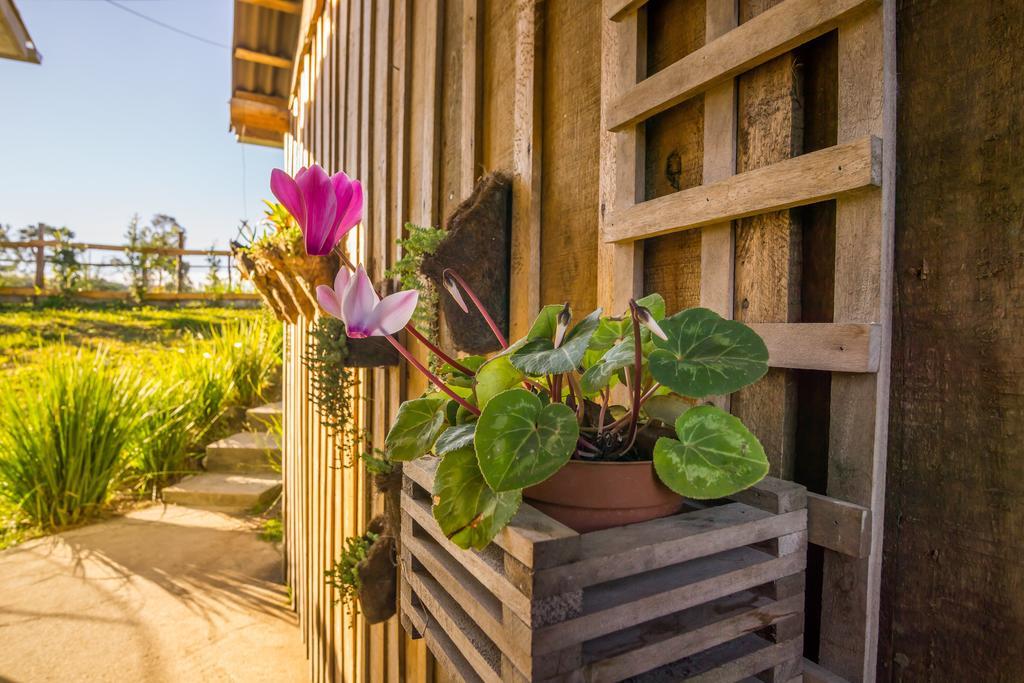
[(263, 48), (15, 42)]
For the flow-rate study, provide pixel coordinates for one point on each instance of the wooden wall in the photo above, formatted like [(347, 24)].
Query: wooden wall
[(420, 98), (953, 600)]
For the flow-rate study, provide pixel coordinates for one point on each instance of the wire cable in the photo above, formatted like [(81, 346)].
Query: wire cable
[(167, 26)]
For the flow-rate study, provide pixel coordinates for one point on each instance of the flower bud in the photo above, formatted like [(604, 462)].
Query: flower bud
[(648, 321), (453, 289), (564, 318)]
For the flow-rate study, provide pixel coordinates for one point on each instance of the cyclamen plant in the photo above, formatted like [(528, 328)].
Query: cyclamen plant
[(505, 423)]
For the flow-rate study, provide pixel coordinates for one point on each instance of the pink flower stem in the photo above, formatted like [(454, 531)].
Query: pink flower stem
[(432, 377), (411, 329), (480, 307)]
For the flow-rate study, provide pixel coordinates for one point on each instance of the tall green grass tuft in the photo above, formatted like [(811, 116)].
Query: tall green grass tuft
[(251, 352), (169, 428), (63, 445)]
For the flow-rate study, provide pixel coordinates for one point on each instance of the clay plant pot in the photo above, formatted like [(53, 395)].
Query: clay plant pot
[(593, 495), (371, 352)]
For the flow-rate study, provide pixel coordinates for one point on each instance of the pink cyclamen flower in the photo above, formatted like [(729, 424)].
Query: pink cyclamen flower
[(354, 302), (326, 207)]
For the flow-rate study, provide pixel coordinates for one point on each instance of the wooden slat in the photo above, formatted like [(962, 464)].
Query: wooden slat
[(858, 429), (759, 40), (286, 6), (626, 602), (619, 266), (616, 10), (838, 525), (533, 538), (806, 179), (846, 347), (524, 283), (470, 87), (264, 58), (449, 654), (671, 638), (815, 673)]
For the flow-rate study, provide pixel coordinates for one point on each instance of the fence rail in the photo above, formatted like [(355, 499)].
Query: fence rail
[(39, 289)]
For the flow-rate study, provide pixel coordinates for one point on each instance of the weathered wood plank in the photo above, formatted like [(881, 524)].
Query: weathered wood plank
[(757, 41), (863, 293), (849, 347), (838, 525), (802, 180)]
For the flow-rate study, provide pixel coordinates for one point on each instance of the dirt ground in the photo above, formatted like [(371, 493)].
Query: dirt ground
[(161, 594)]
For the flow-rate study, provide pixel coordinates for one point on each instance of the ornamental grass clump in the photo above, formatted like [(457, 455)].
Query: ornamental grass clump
[(251, 352), (63, 449)]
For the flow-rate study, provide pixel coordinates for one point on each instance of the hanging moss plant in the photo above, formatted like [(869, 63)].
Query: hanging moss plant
[(419, 242), (331, 381)]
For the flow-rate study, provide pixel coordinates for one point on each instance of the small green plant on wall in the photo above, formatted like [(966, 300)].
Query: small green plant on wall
[(331, 382), (343, 576), (420, 242)]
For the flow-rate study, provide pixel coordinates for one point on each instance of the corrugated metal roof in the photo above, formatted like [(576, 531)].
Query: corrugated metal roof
[(263, 46)]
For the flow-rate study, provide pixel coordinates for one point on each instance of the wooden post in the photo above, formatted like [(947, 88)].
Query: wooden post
[(181, 263), (41, 258)]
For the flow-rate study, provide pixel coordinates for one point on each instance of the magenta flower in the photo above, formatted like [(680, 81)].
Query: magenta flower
[(326, 207), (354, 302)]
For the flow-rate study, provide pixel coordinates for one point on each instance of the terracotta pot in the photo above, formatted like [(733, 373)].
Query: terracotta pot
[(588, 496)]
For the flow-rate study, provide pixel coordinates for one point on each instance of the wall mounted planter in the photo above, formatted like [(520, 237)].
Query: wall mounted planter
[(478, 247), (714, 592)]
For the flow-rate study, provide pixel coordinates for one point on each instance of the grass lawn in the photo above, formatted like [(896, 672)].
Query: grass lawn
[(27, 333), (145, 337)]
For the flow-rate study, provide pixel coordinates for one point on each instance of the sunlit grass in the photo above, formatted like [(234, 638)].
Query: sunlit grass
[(99, 400)]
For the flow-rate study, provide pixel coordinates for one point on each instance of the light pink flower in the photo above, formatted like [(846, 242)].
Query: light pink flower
[(325, 207), (354, 302)]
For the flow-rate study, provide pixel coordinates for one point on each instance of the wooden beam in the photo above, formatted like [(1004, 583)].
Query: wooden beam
[(271, 100), (264, 58), (524, 278), (838, 525), (821, 346), (806, 179), (286, 6), (249, 114), (766, 36), (617, 10)]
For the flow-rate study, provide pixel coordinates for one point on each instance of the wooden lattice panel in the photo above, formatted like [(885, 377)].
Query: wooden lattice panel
[(713, 593), (750, 190)]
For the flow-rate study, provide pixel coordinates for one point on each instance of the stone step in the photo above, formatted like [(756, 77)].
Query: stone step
[(224, 490), (243, 452), (268, 415)]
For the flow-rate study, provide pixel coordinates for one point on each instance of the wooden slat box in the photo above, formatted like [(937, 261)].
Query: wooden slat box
[(714, 593)]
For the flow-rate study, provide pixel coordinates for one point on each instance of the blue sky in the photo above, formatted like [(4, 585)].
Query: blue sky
[(125, 117)]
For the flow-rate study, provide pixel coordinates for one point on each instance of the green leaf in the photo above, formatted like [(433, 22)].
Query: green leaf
[(454, 438), (609, 331), (666, 407), (539, 356), (416, 427), (521, 442), (654, 303), (706, 354), (597, 377), (455, 377), (546, 323), (468, 512), (494, 377), (715, 455)]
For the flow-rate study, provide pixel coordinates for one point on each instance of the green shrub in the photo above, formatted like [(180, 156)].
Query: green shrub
[(251, 350), (168, 429), (63, 448)]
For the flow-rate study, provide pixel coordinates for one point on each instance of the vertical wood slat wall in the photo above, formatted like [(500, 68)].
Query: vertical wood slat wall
[(418, 98)]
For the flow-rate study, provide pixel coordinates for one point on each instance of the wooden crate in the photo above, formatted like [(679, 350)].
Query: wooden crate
[(712, 594)]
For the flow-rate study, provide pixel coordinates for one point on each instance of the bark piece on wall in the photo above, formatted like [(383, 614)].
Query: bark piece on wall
[(477, 248)]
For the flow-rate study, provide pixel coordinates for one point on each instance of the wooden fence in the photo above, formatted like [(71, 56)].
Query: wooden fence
[(41, 244), (731, 155)]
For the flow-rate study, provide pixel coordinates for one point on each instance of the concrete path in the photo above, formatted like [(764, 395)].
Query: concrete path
[(163, 594)]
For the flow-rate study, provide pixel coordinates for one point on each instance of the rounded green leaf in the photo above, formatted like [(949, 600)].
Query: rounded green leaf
[(494, 377), (540, 357), (715, 455), (454, 438), (521, 442), (416, 427), (706, 354), (600, 374), (468, 512)]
